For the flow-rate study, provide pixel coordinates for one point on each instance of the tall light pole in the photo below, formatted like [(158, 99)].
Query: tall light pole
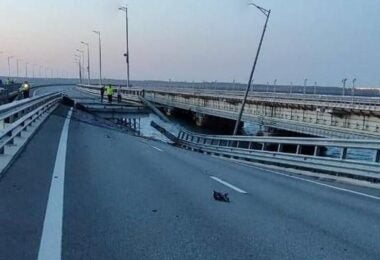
[(9, 66), (100, 58), (88, 61), (304, 86), (17, 66), (315, 87), (353, 89), (267, 14), (125, 9), (291, 88), (33, 70), (26, 69), (41, 71), (344, 86), (274, 85), (80, 67), (82, 52), (1, 52)]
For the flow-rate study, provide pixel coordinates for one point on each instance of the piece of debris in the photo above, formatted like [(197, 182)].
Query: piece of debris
[(154, 210), (219, 196)]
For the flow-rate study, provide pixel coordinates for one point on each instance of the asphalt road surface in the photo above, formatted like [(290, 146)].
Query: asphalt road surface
[(126, 197)]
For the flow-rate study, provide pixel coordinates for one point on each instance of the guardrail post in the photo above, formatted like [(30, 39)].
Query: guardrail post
[(317, 150), (343, 153), (12, 139), (376, 157), (299, 148), (263, 146)]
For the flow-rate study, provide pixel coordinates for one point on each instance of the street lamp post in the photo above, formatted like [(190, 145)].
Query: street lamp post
[(9, 66), (344, 86), (125, 9), (82, 63), (274, 86), (26, 69), (267, 14), (100, 58), (33, 70), (353, 90), (88, 61), (315, 87), (304, 86), (1, 52), (291, 88), (17, 67), (80, 67)]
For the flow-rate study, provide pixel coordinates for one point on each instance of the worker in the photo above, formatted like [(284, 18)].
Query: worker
[(119, 94), (109, 92), (102, 89), (25, 89)]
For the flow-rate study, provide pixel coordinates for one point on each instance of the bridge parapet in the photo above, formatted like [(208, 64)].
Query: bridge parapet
[(325, 116), (289, 152)]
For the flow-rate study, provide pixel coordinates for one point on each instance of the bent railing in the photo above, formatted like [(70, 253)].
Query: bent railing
[(291, 152)]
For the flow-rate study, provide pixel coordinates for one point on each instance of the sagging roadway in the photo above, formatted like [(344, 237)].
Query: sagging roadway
[(122, 197)]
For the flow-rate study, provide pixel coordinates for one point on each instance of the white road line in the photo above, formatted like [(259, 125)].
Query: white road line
[(315, 182), (158, 149), (51, 240), (228, 184), (325, 185)]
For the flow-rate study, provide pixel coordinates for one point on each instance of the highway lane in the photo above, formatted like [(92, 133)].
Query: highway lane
[(140, 202), (131, 198)]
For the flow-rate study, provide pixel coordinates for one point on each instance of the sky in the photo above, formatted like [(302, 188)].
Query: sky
[(199, 40)]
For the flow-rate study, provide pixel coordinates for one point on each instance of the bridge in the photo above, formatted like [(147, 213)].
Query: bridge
[(321, 115), (75, 185)]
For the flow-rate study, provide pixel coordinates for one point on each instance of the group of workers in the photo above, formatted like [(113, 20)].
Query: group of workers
[(24, 90), (109, 91)]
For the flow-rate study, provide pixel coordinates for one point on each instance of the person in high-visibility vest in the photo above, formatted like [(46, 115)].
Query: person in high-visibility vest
[(25, 89), (109, 92)]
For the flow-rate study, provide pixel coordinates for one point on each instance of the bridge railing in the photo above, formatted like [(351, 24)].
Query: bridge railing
[(300, 153), (367, 103), (16, 117)]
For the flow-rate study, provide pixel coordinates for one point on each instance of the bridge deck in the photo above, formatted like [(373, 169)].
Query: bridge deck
[(130, 198)]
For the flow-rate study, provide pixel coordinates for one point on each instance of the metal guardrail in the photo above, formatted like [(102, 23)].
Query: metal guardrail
[(288, 152), (15, 118)]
